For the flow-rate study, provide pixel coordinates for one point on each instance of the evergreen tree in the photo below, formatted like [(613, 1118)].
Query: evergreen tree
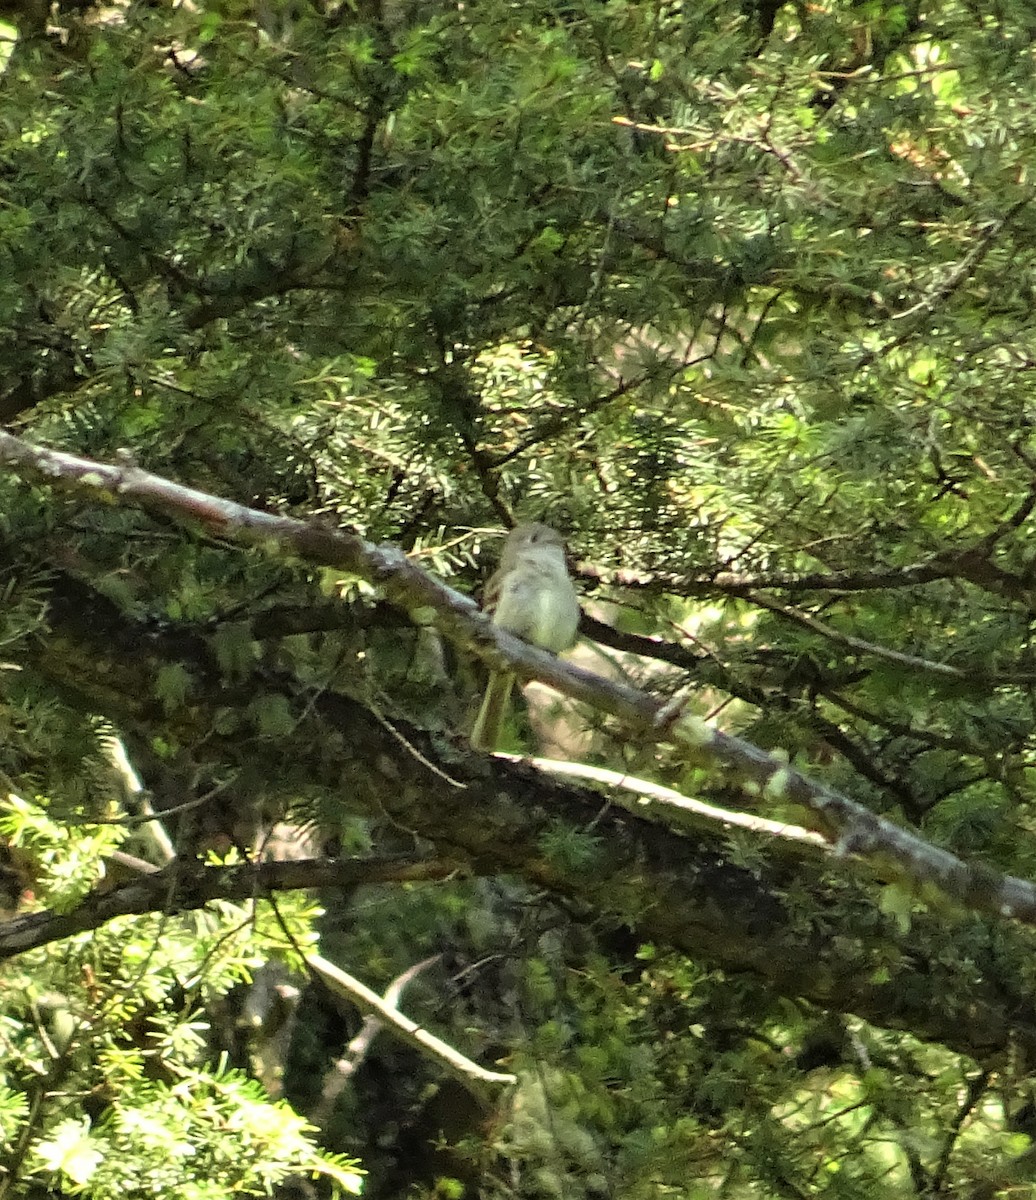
[(737, 297)]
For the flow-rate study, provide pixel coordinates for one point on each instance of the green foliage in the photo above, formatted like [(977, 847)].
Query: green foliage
[(111, 1085), (569, 850), (740, 296)]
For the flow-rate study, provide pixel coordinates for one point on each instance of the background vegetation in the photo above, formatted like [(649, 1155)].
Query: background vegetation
[(738, 296)]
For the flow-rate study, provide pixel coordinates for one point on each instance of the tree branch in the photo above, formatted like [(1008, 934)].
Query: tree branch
[(185, 885), (469, 1073), (760, 775)]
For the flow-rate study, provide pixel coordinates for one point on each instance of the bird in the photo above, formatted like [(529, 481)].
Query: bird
[(531, 595)]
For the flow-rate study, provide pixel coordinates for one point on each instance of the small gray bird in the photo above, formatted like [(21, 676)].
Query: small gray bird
[(530, 595)]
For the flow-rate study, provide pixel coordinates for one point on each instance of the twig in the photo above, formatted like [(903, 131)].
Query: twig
[(467, 1072), (360, 1045), (855, 643)]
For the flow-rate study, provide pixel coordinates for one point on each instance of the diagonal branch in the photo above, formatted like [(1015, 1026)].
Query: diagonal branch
[(858, 645), (469, 1073), (429, 601)]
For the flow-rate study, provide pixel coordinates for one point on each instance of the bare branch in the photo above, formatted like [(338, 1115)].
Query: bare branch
[(185, 886), (854, 643), (691, 811), (470, 1074), (856, 829), (359, 1046)]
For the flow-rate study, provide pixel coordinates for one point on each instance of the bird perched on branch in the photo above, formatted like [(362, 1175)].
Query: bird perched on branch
[(532, 596)]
